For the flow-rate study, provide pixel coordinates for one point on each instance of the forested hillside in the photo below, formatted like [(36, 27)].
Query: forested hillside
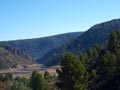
[(10, 57), (98, 34), (40, 46), (98, 69)]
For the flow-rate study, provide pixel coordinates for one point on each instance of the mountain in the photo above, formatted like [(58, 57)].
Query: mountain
[(98, 34), (38, 47), (10, 57)]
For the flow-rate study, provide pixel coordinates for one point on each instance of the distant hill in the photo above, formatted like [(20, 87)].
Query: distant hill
[(98, 34), (38, 47), (10, 57)]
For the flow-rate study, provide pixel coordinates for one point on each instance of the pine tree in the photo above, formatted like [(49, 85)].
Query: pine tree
[(47, 75), (37, 82), (72, 74), (19, 86)]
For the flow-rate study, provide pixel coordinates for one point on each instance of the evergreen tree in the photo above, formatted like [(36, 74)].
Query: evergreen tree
[(24, 80), (47, 75), (90, 52), (1, 77), (83, 57), (114, 42), (8, 77), (19, 86), (37, 82), (107, 72), (72, 74), (92, 84)]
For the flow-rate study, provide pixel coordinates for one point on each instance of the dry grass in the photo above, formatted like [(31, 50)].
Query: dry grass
[(26, 70)]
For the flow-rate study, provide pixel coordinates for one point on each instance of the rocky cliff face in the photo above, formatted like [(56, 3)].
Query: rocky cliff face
[(10, 57)]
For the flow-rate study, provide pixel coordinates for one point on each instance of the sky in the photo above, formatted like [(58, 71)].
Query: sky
[(23, 19)]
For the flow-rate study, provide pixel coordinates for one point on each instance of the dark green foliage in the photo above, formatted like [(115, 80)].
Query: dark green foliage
[(72, 74), (98, 34), (114, 42), (90, 52), (92, 84), (23, 80), (106, 66), (47, 75), (102, 65), (106, 71), (40, 46), (37, 82), (83, 57), (8, 77), (1, 77), (19, 86), (96, 69)]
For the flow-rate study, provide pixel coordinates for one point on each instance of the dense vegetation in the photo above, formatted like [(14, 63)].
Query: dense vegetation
[(50, 50), (98, 34), (35, 82), (10, 57), (72, 75), (40, 46), (98, 69)]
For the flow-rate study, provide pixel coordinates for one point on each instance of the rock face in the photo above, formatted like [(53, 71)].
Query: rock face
[(10, 57), (17, 52)]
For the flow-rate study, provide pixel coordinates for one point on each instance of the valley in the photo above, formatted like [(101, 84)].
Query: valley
[(26, 70), (71, 61), (59, 45)]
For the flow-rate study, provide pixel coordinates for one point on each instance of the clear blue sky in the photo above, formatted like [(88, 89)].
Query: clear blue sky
[(20, 19)]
